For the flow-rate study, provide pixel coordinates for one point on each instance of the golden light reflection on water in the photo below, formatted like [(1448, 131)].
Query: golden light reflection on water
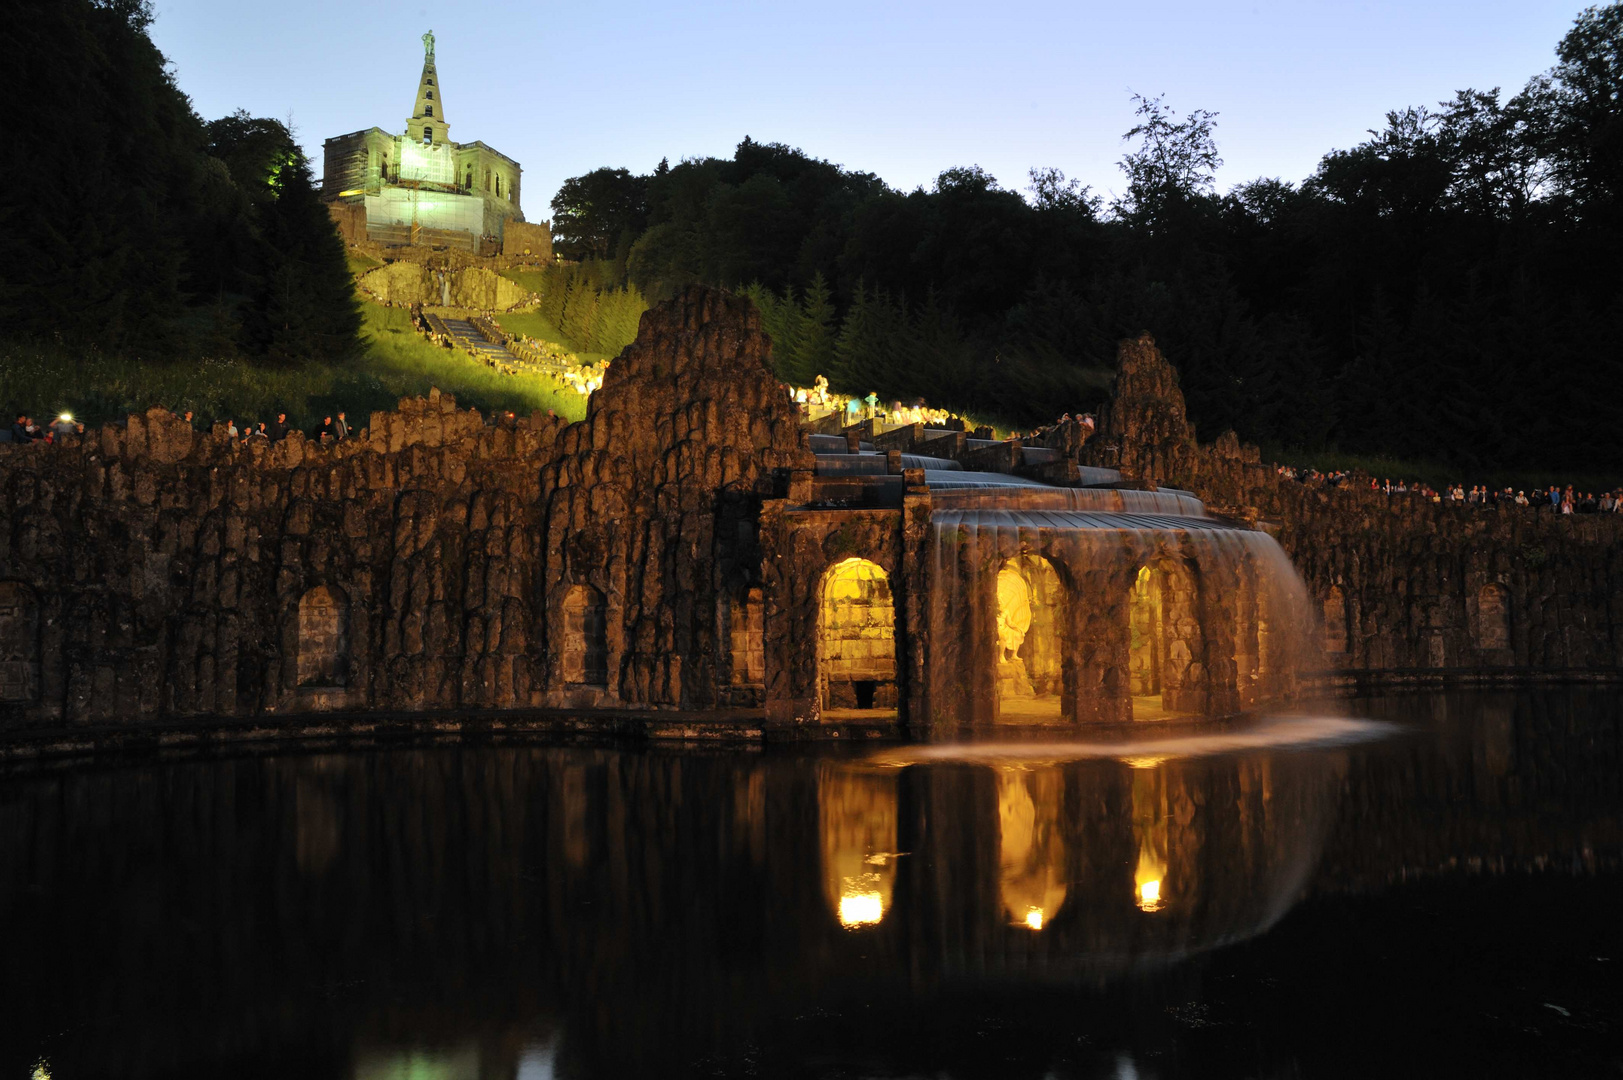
[(1149, 894), (859, 907), (1151, 827), (1031, 844), (857, 829)]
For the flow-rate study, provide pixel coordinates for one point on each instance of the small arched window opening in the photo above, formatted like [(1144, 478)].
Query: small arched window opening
[(1029, 675), (498, 185), (428, 134), (586, 637), (323, 638), (429, 95), (1493, 617), (19, 642), (1335, 621), (428, 110), (487, 179), (857, 637)]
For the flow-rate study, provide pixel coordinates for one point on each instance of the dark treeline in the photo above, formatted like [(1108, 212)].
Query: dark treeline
[(136, 227), (1447, 289)]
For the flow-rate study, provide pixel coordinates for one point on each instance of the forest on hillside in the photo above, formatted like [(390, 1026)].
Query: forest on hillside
[(141, 230), (1448, 289)]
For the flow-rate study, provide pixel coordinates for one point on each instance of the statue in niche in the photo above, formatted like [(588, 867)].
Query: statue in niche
[(428, 44), (1013, 623)]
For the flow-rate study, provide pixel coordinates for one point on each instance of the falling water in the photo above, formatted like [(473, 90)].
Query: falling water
[(1236, 628)]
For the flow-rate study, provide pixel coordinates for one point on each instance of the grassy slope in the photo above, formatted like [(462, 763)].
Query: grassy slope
[(531, 323), (46, 380), (360, 264)]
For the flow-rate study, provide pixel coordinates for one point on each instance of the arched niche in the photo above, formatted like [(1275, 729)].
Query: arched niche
[(1493, 617), (1146, 650), (324, 638), (19, 642), (856, 637), (1335, 621), (1166, 669), (586, 637), (1030, 642)]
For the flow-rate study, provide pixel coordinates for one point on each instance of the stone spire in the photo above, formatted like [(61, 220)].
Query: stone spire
[(429, 116)]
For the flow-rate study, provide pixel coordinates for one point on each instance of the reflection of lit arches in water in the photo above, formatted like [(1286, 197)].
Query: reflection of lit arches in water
[(856, 810), (1151, 829), (1031, 844)]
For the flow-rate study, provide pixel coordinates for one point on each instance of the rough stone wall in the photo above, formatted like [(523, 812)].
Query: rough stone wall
[(171, 566), (1411, 575), (349, 219), (469, 287), (154, 570), (526, 240), (654, 498)]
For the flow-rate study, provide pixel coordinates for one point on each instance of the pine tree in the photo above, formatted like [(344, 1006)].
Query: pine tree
[(307, 308), (814, 349), (780, 318), (854, 347)]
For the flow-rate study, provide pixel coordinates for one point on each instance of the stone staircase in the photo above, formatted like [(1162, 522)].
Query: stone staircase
[(465, 335)]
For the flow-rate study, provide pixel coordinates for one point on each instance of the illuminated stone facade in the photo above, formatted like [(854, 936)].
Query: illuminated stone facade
[(688, 548), (419, 187)]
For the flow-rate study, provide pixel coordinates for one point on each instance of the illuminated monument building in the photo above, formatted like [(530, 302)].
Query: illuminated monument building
[(419, 187)]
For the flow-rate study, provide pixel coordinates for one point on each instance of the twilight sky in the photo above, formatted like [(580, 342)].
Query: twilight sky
[(901, 89)]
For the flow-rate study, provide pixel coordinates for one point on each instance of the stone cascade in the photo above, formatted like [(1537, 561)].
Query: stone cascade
[(1034, 599), (689, 547)]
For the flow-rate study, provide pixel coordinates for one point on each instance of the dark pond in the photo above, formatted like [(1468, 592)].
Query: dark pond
[(1435, 892)]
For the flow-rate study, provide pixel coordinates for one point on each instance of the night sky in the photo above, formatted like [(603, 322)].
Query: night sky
[(900, 89)]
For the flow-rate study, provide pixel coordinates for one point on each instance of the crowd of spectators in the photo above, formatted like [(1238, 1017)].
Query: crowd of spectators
[(331, 429), (1560, 500), (26, 429)]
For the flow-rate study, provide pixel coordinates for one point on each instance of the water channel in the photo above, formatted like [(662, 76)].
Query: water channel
[(1422, 884)]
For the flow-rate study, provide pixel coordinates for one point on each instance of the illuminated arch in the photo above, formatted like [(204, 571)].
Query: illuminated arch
[(1167, 669), (856, 637), (1030, 642), (1146, 651)]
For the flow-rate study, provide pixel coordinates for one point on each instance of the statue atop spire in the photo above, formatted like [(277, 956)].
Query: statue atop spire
[(428, 46)]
